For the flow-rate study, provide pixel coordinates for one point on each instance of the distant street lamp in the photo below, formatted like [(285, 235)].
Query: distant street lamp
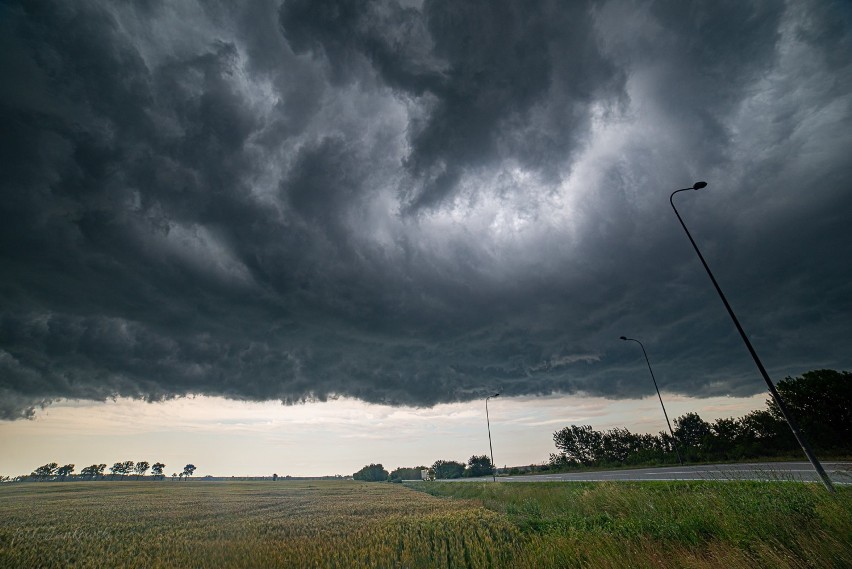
[(666, 415), (488, 421), (775, 395)]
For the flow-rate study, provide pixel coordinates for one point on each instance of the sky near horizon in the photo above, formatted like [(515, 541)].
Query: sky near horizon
[(392, 208), (234, 438)]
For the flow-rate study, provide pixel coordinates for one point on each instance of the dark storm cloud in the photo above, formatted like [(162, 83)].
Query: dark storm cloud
[(414, 202), (501, 79)]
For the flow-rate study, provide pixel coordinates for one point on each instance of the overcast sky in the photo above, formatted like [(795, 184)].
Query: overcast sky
[(418, 203)]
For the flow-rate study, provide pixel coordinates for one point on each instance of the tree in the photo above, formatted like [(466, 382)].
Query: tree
[(479, 465), (372, 473), (126, 467), (583, 444), (821, 403), (764, 429), (140, 469), (48, 469), (157, 469), (618, 444), (90, 471), (448, 469), (691, 430), (64, 471), (121, 468), (188, 470), (275, 477), (94, 470), (403, 473)]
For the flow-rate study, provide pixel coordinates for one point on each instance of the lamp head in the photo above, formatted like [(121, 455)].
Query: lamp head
[(496, 395), (623, 337), (699, 185)]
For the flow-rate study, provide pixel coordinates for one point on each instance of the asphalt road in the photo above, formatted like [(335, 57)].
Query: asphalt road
[(840, 473)]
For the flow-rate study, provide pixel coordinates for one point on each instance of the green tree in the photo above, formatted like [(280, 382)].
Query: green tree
[(582, 444), (404, 473), (691, 430), (448, 469), (64, 471), (821, 403), (372, 473), (126, 467), (157, 469), (479, 465), (765, 434), (46, 470), (94, 471), (188, 470), (618, 445), (140, 469)]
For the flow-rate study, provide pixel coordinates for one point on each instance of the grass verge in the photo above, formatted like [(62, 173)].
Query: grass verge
[(670, 524)]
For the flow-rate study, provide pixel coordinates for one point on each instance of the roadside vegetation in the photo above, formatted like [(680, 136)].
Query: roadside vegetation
[(820, 401), (680, 524)]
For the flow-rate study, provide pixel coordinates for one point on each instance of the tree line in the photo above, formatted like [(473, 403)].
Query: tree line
[(52, 471), (477, 465), (820, 401)]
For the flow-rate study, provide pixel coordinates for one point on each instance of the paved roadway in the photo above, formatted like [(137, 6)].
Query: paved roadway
[(839, 472)]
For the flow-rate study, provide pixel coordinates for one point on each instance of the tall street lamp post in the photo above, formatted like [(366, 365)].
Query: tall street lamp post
[(774, 392), (488, 421), (666, 415)]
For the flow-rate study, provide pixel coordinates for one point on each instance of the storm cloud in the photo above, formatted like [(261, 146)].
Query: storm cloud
[(418, 202)]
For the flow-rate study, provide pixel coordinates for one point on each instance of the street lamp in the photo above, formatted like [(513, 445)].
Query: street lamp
[(488, 421), (666, 415), (774, 392)]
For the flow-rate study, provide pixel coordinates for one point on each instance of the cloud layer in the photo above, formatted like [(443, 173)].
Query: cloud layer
[(418, 202)]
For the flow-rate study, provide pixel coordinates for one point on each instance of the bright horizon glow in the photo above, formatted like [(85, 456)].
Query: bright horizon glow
[(233, 438)]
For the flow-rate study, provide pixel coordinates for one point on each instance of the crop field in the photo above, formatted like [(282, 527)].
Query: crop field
[(352, 524)]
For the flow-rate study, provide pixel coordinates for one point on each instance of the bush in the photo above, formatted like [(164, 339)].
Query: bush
[(372, 473)]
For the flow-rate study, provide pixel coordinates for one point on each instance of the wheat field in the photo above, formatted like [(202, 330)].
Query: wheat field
[(246, 524)]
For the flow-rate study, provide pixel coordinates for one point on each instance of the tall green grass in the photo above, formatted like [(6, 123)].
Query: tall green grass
[(671, 524)]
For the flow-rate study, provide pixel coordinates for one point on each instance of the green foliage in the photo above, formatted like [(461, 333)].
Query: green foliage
[(690, 430), (820, 401), (372, 473), (188, 470), (684, 524), (94, 471), (579, 443), (157, 469), (479, 465), (403, 473), (64, 471), (141, 468), (448, 469), (48, 469)]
